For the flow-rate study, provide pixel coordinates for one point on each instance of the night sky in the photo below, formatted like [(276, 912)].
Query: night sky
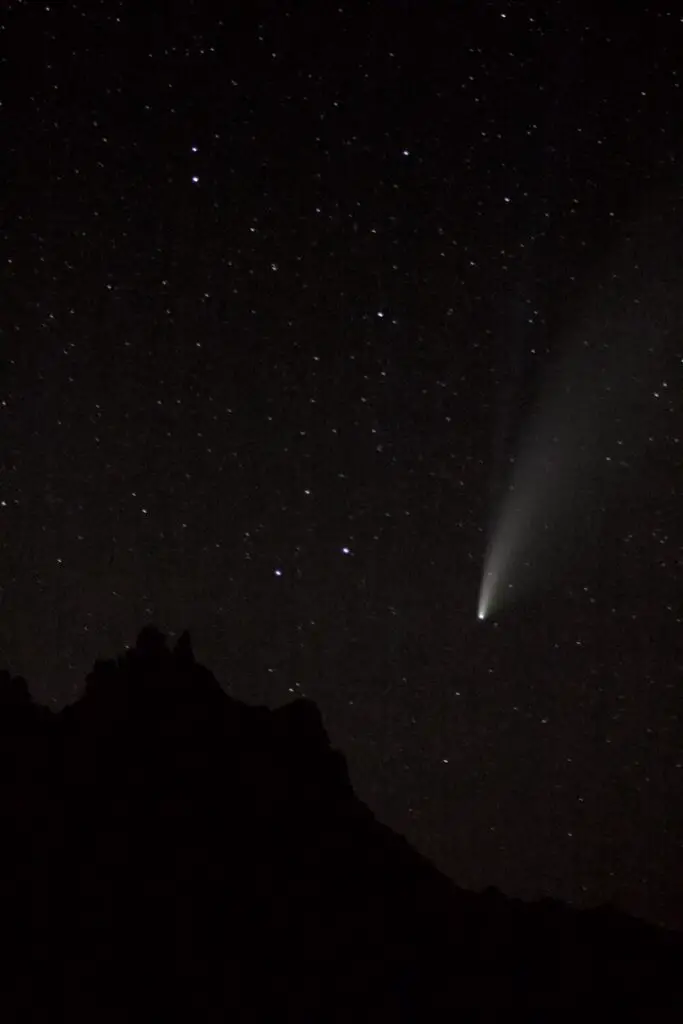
[(292, 296)]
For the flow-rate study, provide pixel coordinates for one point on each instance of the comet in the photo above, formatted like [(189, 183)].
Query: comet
[(585, 429), (575, 456)]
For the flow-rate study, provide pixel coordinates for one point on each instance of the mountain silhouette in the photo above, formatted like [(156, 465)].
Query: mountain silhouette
[(170, 852)]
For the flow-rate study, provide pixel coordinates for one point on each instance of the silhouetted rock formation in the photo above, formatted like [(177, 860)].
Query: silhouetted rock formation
[(174, 854)]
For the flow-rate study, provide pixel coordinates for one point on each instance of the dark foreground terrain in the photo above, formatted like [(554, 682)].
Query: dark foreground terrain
[(170, 853)]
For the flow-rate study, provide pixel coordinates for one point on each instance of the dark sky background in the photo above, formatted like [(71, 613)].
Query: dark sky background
[(282, 288)]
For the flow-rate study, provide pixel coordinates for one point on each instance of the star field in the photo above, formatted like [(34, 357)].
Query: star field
[(283, 289)]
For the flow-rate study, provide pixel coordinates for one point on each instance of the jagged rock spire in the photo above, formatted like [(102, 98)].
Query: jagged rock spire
[(14, 690), (151, 643), (183, 649)]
